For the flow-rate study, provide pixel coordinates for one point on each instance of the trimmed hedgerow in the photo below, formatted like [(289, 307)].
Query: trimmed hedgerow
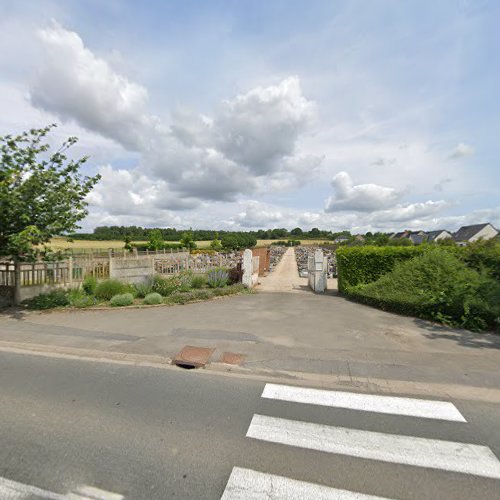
[(361, 265), (123, 299), (438, 286)]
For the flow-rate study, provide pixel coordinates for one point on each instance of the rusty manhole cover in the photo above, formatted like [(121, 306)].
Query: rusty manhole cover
[(232, 358), (193, 357)]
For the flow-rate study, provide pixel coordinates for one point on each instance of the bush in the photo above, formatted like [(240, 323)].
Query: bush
[(89, 285), (361, 265), (198, 281), (437, 286), (153, 298), (483, 256), (162, 246), (107, 289), (78, 298), (194, 295), (179, 298), (57, 298), (202, 294), (143, 289), (166, 286), (217, 277), (123, 299)]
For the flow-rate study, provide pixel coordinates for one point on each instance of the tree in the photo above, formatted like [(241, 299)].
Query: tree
[(155, 240), (42, 192), (187, 240), (296, 232), (216, 244)]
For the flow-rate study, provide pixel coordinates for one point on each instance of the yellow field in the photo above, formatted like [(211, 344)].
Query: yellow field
[(62, 243)]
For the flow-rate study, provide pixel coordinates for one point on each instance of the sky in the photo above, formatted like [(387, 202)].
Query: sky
[(374, 115)]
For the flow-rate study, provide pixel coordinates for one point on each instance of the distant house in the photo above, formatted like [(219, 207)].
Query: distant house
[(468, 234), (416, 237), (401, 234), (341, 239), (440, 234)]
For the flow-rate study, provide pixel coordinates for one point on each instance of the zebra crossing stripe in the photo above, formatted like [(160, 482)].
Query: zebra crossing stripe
[(12, 490), (440, 410), (247, 484), (421, 452), (91, 493)]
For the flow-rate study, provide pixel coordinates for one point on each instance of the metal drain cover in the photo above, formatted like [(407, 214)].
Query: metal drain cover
[(193, 357)]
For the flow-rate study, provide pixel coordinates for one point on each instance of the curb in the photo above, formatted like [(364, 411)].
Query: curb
[(323, 381)]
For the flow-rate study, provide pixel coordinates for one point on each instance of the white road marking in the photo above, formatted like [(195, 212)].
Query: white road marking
[(247, 484), (420, 452), (91, 493), (440, 410), (12, 490)]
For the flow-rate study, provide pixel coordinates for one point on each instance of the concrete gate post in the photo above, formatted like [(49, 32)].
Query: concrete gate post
[(247, 268), (317, 272)]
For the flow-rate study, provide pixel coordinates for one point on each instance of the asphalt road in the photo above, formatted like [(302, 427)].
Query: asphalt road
[(147, 433)]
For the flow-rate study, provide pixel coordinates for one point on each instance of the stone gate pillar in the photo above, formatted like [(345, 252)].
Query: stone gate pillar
[(317, 271)]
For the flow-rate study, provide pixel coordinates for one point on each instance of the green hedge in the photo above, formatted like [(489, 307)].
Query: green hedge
[(361, 265), (437, 286)]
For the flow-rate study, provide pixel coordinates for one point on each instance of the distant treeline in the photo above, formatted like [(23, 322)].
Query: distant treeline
[(137, 233)]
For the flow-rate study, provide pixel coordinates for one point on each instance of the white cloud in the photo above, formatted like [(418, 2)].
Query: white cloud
[(261, 127), (74, 84), (259, 215), (462, 150), (121, 192), (361, 197), (249, 145), (407, 212)]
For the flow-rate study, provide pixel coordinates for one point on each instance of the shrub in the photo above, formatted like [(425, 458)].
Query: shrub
[(198, 281), (178, 283), (83, 301), (153, 298), (122, 299), (107, 289), (361, 265), (235, 275), (483, 255), (194, 295), (178, 298), (56, 298), (78, 298), (217, 277), (202, 294), (143, 289), (438, 286), (89, 285)]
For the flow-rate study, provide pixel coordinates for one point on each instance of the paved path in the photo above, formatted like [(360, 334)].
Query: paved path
[(320, 336), (285, 277), (77, 430)]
